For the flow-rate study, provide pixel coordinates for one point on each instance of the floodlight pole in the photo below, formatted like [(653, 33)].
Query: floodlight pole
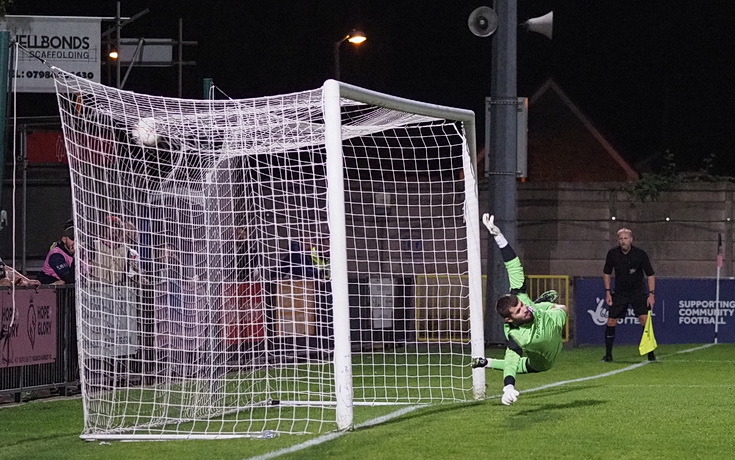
[(501, 145)]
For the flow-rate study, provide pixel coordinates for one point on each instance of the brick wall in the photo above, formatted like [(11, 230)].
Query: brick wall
[(567, 228)]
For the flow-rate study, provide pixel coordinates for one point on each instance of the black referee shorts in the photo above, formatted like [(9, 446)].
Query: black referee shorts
[(621, 302)]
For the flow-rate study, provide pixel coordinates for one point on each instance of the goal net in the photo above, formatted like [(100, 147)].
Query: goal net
[(268, 265)]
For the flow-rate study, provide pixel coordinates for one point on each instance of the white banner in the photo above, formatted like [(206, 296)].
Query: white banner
[(110, 322), (69, 43)]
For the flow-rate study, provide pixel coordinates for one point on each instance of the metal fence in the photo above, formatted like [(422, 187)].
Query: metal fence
[(58, 377), (442, 310)]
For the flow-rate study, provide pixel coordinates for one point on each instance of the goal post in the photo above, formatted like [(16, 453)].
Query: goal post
[(335, 89), (270, 264), (338, 248)]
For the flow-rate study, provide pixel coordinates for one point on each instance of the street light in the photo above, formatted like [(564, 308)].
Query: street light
[(355, 37)]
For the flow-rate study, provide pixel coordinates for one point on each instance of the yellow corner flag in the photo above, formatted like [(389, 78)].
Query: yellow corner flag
[(648, 340)]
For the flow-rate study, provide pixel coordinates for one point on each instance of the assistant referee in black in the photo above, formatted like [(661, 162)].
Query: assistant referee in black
[(630, 264)]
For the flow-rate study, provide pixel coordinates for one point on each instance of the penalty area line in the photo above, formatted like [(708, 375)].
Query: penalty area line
[(616, 371), (376, 421), (336, 434)]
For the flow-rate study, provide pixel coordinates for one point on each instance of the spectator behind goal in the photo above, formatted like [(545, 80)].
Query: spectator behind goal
[(58, 268), (9, 276)]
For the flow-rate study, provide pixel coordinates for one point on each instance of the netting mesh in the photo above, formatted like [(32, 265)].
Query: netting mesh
[(205, 290)]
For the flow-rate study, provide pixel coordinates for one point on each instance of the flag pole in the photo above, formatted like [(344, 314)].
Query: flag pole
[(717, 289)]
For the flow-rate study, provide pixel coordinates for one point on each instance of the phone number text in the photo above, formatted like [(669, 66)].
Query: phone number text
[(49, 74)]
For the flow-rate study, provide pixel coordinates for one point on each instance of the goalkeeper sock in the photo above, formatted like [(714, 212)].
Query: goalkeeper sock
[(609, 339), (499, 364), (491, 363)]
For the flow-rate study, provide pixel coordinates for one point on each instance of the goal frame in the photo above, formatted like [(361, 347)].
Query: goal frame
[(334, 144), (333, 91)]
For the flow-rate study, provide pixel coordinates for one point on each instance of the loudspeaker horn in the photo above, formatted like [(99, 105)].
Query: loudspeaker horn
[(543, 25), (483, 21)]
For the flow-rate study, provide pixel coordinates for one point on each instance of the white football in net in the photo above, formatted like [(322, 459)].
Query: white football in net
[(144, 132)]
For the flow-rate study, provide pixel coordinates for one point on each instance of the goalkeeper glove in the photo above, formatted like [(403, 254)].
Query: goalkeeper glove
[(510, 395), (488, 220)]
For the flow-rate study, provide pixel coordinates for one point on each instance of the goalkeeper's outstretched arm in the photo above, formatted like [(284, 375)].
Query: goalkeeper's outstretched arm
[(516, 276), (515, 273)]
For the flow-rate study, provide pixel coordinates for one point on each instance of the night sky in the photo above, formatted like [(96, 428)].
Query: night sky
[(652, 75)]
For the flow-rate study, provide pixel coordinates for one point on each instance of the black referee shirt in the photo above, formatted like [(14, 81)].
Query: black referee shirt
[(629, 269)]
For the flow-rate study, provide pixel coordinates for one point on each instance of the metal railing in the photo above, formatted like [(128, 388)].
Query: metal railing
[(442, 310)]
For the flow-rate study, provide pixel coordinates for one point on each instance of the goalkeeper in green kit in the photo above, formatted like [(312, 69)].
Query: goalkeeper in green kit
[(532, 329)]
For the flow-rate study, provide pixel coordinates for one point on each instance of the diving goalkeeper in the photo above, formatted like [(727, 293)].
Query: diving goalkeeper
[(532, 329)]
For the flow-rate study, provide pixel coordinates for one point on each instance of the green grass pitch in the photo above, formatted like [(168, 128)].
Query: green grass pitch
[(679, 407)]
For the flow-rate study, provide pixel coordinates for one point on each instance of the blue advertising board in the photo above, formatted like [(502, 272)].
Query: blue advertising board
[(685, 312)]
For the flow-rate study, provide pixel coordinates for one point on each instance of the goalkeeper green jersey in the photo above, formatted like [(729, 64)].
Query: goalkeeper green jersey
[(541, 339)]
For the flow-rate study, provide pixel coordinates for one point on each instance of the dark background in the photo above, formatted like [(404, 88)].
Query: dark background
[(653, 76)]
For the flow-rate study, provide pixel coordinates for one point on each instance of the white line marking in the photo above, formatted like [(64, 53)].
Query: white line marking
[(617, 371), (334, 435), (592, 377), (702, 347)]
